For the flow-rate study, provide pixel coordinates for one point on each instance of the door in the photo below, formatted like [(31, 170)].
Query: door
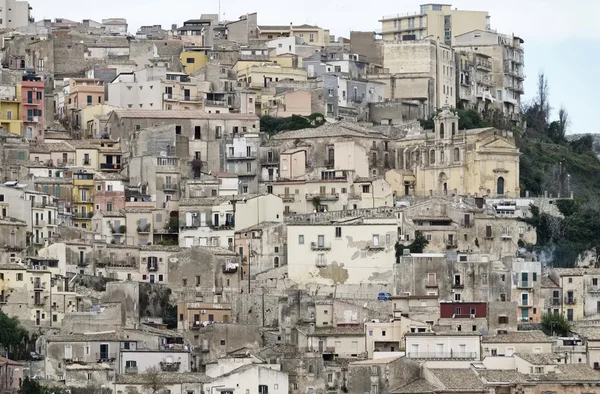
[(68, 352), (321, 241), (104, 351), (414, 350), (320, 346), (524, 278), (439, 350), (525, 314), (462, 350), (216, 220)]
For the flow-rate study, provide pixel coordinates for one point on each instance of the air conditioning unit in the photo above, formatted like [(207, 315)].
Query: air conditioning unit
[(472, 316)]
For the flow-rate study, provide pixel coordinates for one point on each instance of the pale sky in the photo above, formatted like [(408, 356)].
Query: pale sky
[(561, 37)]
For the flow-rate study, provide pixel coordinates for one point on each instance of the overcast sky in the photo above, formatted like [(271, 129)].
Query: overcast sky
[(561, 37)]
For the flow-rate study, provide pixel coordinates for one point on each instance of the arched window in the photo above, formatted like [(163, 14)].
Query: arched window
[(456, 153), (442, 157), (276, 262), (441, 130), (426, 157), (453, 128), (500, 186), (432, 156)]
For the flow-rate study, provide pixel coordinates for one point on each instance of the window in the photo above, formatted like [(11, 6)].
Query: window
[(383, 333), (502, 319), (456, 296), (300, 239), (190, 60), (338, 232), (594, 281), (503, 297), (20, 277), (197, 132), (89, 100), (374, 389)]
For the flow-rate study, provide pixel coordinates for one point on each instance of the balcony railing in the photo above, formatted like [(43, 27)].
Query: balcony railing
[(101, 356), (144, 229), (241, 156), (318, 246), (170, 366), (39, 223), (323, 196), (287, 197), (484, 64), (556, 301), (170, 187), (215, 103), (131, 369), (443, 355), (110, 166), (570, 301), (525, 284), (44, 204)]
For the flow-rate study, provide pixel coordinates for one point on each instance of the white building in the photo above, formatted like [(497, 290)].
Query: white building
[(253, 378), (351, 252), (14, 14), (446, 346)]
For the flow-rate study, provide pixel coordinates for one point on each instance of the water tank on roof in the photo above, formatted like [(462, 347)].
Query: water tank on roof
[(29, 70)]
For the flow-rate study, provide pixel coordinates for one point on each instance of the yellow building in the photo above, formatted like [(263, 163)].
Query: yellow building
[(311, 35), (435, 20), (192, 61), (257, 77), (449, 161), (10, 109), (83, 199)]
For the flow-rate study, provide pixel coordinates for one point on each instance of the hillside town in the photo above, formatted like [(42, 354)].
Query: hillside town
[(227, 207)]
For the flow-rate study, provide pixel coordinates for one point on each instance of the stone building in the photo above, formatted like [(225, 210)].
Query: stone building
[(381, 375), (449, 161), (262, 246)]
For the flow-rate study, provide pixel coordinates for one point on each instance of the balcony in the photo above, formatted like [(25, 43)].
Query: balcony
[(102, 356), (110, 166), (484, 80), (320, 246), (172, 366), (525, 284), (170, 187), (320, 262), (287, 197), (31, 102), (228, 225), (593, 289), (39, 285), (39, 223), (33, 119), (556, 301), (131, 369), (458, 285), (230, 268), (484, 64), (443, 355), (241, 156), (525, 303), (375, 247), (451, 244), (215, 103), (570, 301), (153, 268), (144, 229), (323, 196), (44, 204), (194, 98)]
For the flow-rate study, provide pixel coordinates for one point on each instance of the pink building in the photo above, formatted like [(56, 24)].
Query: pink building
[(32, 106), (11, 375)]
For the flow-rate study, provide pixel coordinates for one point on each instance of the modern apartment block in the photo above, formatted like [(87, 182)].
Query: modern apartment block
[(438, 21), (498, 60), (14, 14)]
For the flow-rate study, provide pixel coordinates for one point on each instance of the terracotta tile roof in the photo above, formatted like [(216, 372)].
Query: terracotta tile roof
[(517, 337), (455, 379)]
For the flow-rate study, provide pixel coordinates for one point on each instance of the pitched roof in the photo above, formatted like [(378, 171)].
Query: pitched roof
[(166, 378), (459, 379), (589, 333), (335, 331), (501, 376), (415, 387), (109, 337), (577, 271), (179, 114), (538, 358), (51, 147), (204, 201), (547, 281), (340, 129), (517, 337), (216, 250)]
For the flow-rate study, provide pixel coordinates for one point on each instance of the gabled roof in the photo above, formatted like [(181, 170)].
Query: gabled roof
[(457, 379), (533, 336)]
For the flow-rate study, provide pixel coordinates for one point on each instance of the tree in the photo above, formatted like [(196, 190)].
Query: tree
[(417, 246), (152, 380), (169, 316), (31, 386), (11, 333), (555, 323)]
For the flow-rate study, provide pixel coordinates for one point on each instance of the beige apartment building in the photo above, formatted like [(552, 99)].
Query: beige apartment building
[(501, 56), (311, 35), (438, 21), (423, 70)]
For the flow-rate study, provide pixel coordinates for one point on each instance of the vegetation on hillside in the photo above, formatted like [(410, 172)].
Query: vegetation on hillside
[(555, 324), (14, 338), (271, 125)]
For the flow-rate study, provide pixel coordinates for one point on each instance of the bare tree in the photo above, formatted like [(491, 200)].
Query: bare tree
[(542, 99), (563, 121), (152, 380)]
